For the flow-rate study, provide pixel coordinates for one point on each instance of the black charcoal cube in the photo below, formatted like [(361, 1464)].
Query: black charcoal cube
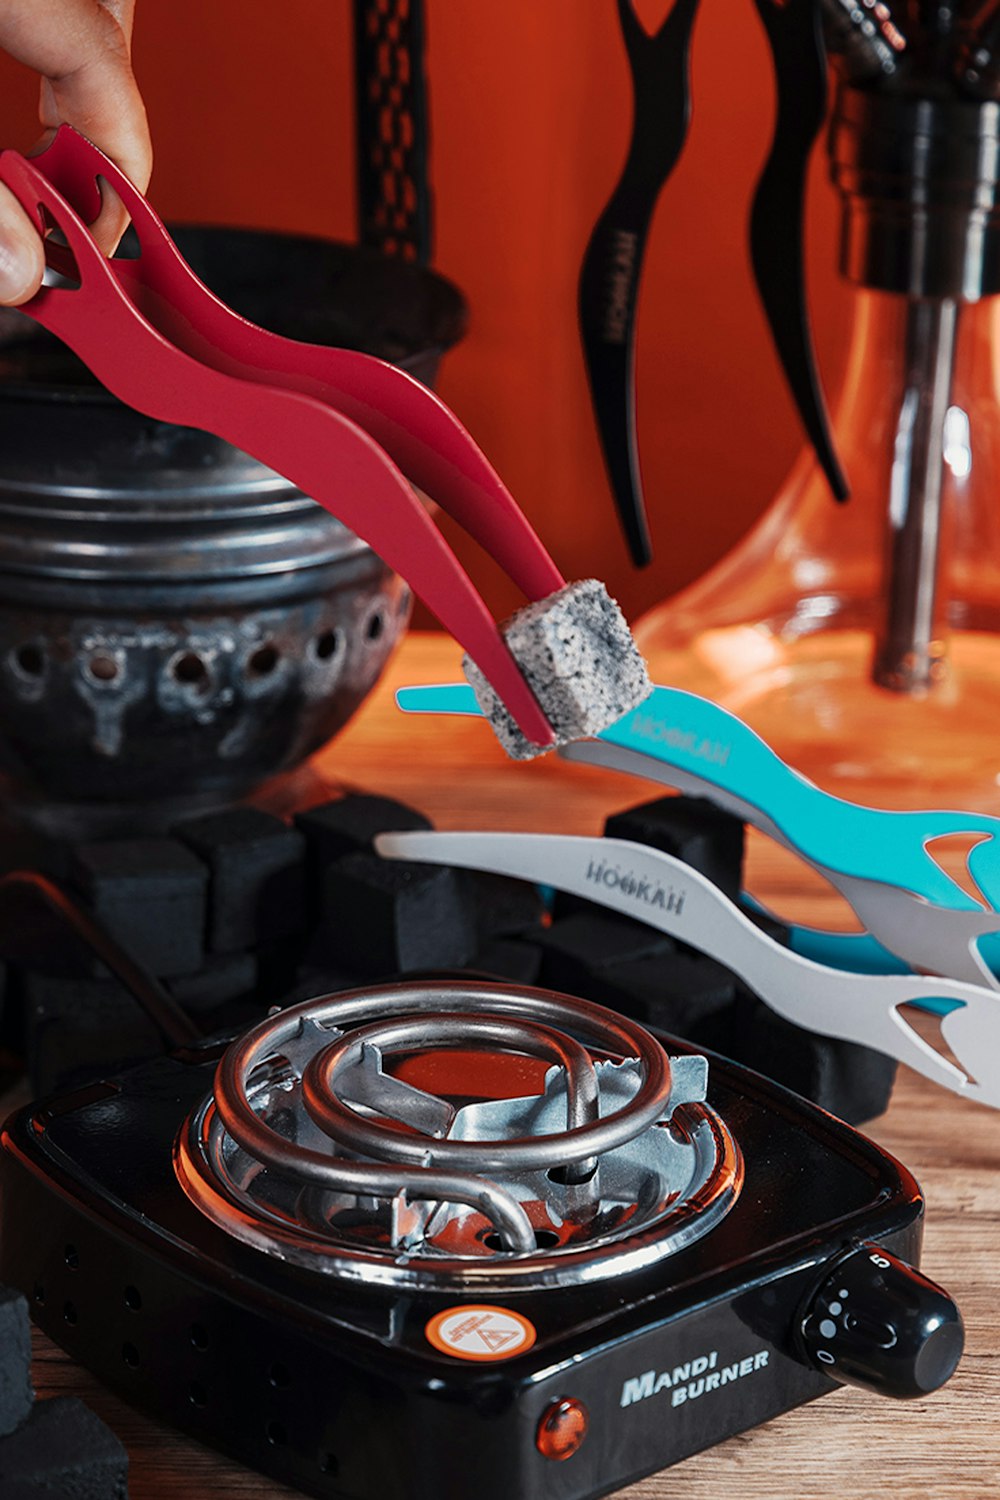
[(675, 992), (221, 979), (852, 1082), (692, 829), (63, 1450), (515, 960), (504, 907), (78, 1030), (257, 891), (580, 949), (151, 895), (350, 826), (16, 1394), (382, 916)]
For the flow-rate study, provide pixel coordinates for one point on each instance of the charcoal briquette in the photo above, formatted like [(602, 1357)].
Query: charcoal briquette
[(692, 829), (580, 949), (16, 1394), (223, 977), (350, 825), (80, 1029), (851, 1081), (675, 992), (503, 906), (516, 960), (257, 889), (382, 916), (151, 896), (63, 1450)]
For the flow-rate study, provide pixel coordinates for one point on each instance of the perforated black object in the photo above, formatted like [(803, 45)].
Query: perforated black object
[(394, 208)]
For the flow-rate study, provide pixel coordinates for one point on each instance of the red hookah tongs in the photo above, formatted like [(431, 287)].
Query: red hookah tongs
[(344, 427)]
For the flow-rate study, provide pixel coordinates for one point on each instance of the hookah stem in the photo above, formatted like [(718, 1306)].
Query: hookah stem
[(910, 654)]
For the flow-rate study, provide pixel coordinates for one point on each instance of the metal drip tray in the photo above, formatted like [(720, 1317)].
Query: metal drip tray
[(459, 1132)]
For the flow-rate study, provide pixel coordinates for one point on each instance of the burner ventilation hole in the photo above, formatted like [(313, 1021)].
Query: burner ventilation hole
[(545, 1239), (197, 1394), (570, 1176), (133, 1298), (276, 1434), (130, 1355), (278, 1375), (199, 1336), (69, 1313), (329, 1464), (72, 1257)]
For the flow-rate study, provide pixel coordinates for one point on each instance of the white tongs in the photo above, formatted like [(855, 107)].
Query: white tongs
[(664, 892)]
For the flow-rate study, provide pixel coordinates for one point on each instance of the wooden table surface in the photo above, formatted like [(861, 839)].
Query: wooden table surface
[(850, 1445)]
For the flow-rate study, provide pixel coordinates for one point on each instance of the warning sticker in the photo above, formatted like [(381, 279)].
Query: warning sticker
[(480, 1331)]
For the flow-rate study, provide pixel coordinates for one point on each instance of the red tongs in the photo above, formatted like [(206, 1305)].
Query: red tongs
[(344, 427)]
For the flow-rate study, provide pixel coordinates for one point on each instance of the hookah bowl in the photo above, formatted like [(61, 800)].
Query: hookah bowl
[(180, 625), (863, 642)]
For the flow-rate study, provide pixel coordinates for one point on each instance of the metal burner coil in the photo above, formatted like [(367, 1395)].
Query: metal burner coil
[(309, 1149)]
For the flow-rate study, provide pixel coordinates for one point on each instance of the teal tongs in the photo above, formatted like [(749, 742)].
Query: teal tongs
[(883, 863)]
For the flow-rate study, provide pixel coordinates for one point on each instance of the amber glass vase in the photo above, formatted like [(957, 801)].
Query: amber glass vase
[(863, 640)]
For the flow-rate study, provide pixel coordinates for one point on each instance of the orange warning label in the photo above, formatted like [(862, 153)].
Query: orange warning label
[(480, 1331)]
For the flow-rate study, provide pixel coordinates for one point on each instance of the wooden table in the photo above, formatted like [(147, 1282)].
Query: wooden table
[(850, 1445)]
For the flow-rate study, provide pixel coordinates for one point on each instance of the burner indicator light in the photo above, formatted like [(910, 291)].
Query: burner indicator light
[(561, 1431)]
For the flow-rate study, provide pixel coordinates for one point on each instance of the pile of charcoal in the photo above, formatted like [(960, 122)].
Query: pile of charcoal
[(49, 1448), (238, 911)]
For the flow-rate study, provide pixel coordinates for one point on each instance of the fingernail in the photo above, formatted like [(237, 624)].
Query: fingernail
[(18, 271)]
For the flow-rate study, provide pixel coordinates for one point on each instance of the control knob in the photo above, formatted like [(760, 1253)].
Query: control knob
[(879, 1323)]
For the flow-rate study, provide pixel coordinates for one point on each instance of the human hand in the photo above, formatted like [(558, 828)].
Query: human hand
[(81, 48)]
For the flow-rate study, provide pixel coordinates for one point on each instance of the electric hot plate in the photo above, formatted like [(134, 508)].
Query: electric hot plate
[(434, 1239)]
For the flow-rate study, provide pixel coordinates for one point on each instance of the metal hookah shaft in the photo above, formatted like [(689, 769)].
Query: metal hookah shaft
[(910, 651), (918, 171)]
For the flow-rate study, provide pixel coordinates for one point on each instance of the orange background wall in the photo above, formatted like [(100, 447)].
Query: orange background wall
[(252, 118)]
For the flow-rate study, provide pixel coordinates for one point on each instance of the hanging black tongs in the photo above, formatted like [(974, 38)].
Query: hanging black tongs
[(609, 280)]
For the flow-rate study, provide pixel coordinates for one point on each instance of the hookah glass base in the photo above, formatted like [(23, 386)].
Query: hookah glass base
[(863, 641)]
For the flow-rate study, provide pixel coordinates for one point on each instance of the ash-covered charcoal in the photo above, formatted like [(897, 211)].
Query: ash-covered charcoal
[(577, 654), (382, 917), (16, 1394), (257, 867), (151, 896), (63, 1450), (693, 829)]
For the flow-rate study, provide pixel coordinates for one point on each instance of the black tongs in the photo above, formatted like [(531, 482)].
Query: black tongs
[(609, 280), (610, 276)]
